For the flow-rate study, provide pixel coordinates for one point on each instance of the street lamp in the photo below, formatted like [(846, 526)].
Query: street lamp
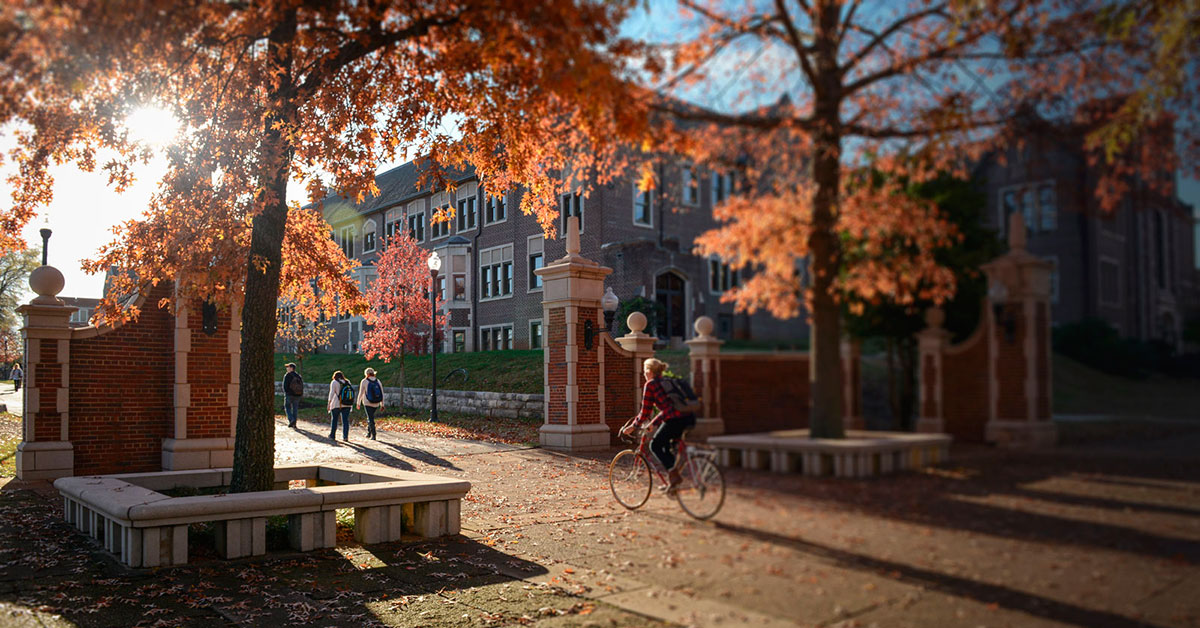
[(609, 302), (435, 264)]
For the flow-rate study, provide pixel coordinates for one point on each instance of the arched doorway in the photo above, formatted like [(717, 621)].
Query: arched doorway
[(670, 291)]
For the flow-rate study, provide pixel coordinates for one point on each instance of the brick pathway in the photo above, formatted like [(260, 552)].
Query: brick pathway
[(1098, 535)]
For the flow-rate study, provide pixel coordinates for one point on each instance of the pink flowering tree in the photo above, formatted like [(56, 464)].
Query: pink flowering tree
[(399, 308)]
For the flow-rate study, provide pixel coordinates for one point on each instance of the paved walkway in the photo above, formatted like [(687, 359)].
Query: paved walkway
[(1099, 535), (12, 400)]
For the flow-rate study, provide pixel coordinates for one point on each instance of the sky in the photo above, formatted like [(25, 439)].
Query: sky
[(85, 208)]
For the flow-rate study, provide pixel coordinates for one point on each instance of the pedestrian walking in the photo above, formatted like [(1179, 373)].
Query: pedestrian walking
[(293, 390), (341, 401), (370, 396), (17, 375)]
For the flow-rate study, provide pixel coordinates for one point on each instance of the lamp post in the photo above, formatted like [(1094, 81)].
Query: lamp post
[(45, 231), (609, 302), (435, 264)]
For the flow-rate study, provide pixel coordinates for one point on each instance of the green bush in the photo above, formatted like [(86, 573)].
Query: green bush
[(652, 309)]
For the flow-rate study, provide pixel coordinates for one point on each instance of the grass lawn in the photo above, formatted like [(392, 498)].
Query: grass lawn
[(1079, 389), (10, 436), (413, 421)]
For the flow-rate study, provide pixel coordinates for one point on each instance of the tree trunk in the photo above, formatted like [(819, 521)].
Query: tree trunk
[(402, 382), (893, 398), (825, 366), (254, 445)]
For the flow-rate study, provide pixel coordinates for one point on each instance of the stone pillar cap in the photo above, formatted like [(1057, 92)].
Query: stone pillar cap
[(47, 282)]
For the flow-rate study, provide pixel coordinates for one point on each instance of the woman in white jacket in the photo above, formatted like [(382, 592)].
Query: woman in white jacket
[(337, 407), (370, 396)]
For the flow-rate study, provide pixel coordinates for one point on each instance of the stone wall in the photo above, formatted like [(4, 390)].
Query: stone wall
[(490, 404)]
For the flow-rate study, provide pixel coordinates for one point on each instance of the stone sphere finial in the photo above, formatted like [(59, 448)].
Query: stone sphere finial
[(703, 326), (46, 282), (636, 322)]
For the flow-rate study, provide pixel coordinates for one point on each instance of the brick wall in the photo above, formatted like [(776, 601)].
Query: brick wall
[(762, 392), (1010, 368), (965, 387), (47, 378), (121, 393), (208, 372), (620, 389), (587, 371)]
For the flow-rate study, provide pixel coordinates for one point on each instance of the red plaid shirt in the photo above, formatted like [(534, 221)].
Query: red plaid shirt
[(653, 396)]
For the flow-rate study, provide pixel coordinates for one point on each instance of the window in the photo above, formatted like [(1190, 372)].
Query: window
[(1037, 203), (721, 277), (495, 338), (536, 247), (416, 225), (690, 183), (494, 209), (1054, 278), (460, 341), (535, 334), (441, 284), (466, 214), (460, 287), (369, 237), (643, 207), (1160, 250), (1048, 208), (347, 238), (438, 226), (722, 186), (393, 222), (1110, 281), (496, 272), (571, 205)]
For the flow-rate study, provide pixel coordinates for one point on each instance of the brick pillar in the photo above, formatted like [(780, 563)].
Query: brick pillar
[(1019, 412), (931, 344), (572, 287), (206, 389), (704, 352), (641, 345), (851, 350), (45, 450)]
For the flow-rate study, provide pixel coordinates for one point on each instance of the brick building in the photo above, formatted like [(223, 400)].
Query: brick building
[(1134, 267), (490, 250)]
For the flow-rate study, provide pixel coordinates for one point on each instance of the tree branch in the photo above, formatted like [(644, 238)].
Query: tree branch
[(794, 38), (881, 37)]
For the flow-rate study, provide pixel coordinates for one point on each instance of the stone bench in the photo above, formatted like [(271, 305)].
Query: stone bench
[(146, 528), (861, 454)]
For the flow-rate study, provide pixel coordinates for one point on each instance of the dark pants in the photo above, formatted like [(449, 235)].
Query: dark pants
[(370, 419), (16, 385), (663, 444), (291, 407), (333, 416)]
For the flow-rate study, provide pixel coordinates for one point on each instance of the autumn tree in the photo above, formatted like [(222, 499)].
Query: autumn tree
[(912, 89), (314, 92), (15, 267), (399, 300)]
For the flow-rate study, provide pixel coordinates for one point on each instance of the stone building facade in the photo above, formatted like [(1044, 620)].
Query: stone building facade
[(490, 251)]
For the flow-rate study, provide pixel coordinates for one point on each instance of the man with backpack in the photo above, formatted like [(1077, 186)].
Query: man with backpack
[(370, 395), (293, 390), (341, 401), (676, 406)]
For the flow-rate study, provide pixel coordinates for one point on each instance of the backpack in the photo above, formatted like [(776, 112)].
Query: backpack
[(374, 391), (297, 385), (346, 396), (680, 392)]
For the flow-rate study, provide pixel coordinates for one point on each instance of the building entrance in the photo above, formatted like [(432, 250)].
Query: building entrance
[(669, 290)]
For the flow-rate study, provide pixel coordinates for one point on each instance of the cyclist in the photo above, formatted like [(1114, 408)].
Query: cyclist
[(670, 422)]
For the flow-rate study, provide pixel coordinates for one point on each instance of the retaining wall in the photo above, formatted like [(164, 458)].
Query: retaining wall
[(504, 405)]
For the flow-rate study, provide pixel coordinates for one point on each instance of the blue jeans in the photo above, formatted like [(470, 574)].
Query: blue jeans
[(370, 419), (333, 415), (291, 407)]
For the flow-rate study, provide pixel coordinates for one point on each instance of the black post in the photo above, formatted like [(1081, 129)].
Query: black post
[(45, 243), (433, 342)]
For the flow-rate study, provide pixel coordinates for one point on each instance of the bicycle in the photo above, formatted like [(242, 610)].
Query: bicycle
[(631, 477)]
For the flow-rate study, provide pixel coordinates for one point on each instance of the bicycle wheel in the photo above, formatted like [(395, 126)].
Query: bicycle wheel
[(630, 479), (702, 491)]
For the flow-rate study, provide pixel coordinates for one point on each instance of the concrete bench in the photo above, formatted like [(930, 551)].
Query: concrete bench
[(860, 454), (146, 528)]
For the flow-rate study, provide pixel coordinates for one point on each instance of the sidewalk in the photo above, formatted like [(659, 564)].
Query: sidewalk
[(13, 400), (1085, 535)]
